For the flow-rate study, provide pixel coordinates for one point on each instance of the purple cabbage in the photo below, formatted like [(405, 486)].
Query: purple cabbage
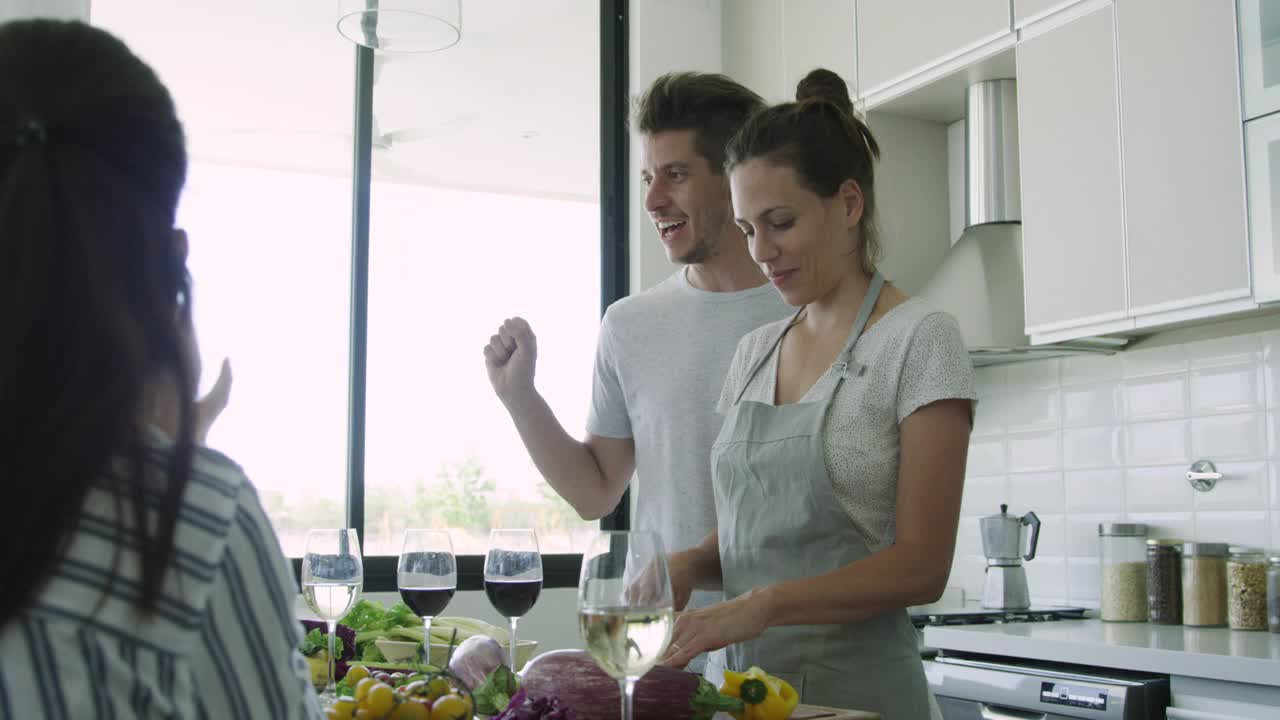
[(523, 707), (348, 638)]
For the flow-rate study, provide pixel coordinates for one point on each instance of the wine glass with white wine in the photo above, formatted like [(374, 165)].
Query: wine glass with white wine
[(624, 606), (332, 575)]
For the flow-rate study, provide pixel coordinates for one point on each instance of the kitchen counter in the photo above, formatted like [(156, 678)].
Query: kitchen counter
[(1214, 653)]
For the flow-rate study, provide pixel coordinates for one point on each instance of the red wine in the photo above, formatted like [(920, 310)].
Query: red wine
[(512, 598), (426, 602)]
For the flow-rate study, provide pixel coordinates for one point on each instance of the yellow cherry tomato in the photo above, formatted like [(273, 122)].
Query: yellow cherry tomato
[(380, 700), (355, 674), (451, 707), (362, 688), (363, 714), (411, 710), (342, 709), (438, 688)]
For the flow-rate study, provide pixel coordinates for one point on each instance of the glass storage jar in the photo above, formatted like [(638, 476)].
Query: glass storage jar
[(1273, 592), (1164, 581), (1204, 584), (1123, 561), (1246, 589)]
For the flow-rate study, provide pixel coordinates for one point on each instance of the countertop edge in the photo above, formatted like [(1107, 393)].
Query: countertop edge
[(1256, 671)]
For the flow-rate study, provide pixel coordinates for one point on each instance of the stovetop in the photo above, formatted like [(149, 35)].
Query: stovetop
[(970, 615)]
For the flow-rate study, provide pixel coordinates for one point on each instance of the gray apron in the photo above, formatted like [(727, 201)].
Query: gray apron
[(779, 520)]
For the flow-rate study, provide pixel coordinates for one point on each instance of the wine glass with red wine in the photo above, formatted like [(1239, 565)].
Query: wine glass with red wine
[(513, 576), (427, 577)]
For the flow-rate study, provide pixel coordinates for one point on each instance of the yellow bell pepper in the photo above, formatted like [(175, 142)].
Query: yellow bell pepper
[(764, 697)]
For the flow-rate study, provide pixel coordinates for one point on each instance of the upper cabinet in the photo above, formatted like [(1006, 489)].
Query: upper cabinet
[(1260, 56), (1072, 213), (897, 38), (770, 44), (1184, 195), (819, 33), (1026, 11)]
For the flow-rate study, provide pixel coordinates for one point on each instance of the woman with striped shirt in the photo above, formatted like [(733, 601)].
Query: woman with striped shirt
[(140, 575)]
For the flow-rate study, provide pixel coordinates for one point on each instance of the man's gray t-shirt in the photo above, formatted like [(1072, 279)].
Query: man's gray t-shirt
[(661, 361)]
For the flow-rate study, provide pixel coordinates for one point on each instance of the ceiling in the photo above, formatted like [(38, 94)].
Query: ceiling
[(512, 108)]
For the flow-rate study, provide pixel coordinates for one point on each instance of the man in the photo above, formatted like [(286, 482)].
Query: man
[(662, 354)]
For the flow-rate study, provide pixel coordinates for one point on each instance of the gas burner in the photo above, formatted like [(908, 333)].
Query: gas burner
[(986, 617)]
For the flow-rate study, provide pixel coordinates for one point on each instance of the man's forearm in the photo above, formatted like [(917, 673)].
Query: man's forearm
[(704, 561), (566, 463)]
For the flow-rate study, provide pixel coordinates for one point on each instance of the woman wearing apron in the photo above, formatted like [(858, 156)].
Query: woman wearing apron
[(839, 469)]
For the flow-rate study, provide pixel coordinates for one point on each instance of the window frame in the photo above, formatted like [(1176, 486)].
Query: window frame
[(558, 570)]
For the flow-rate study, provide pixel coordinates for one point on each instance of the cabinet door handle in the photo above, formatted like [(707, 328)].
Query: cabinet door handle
[(992, 712)]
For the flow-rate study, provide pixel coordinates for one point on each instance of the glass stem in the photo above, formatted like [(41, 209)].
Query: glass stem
[(333, 634), (511, 642), (628, 687), (426, 640)]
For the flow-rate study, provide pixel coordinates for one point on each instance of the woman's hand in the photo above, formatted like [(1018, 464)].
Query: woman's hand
[(209, 407), (716, 626)]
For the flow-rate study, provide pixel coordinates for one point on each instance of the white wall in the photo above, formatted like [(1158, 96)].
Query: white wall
[(1087, 440), (63, 9)]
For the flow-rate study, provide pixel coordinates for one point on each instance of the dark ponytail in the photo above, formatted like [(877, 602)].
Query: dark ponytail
[(821, 138), (92, 287)]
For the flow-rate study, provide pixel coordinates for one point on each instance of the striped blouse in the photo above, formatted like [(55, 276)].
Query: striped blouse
[(222, 642)]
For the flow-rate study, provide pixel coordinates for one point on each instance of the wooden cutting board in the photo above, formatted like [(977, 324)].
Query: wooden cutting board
[(813, 712)]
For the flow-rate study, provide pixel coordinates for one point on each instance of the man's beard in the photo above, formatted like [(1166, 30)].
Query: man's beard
[(699, 253)]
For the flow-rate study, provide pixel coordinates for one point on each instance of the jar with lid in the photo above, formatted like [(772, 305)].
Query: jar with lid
[(1164, 581), (1204, 584), (1273, 592), (1247, 589), (1123, 560)]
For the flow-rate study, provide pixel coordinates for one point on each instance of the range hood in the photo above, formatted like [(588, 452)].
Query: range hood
[(980, 278)]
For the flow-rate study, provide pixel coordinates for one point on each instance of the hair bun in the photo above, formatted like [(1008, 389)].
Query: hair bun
[(822, 84)]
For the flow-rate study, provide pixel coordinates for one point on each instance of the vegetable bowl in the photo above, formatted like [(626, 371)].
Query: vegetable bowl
[(405, 651)]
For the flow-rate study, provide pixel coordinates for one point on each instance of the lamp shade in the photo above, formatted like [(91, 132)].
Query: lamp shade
[(405, 26)]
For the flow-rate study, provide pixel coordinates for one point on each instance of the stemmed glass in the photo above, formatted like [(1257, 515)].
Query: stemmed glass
[(427, 577), (625, 609), (513, 576), (332, 575)]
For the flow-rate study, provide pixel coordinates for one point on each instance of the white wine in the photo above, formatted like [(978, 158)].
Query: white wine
[(626, 642), (330, 601)]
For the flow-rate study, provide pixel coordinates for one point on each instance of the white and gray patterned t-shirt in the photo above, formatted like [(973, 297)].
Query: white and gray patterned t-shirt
[(914, 356)]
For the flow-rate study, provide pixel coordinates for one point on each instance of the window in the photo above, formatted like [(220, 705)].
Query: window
[(485, 201)]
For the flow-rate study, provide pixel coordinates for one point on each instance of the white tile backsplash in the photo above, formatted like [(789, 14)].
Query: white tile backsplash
[(1158, 489), (1180, 525), (1231, 389), (1041, 492), (986, 456), (1233, 350), (1094, 491), (1094, 439), (1032, 452), (1155, 361), (1157, 443), (1237, 528), (1095, 447), (1155, 398), (1034, 410), (1096, 404), (1086, 369), (1230, 437)]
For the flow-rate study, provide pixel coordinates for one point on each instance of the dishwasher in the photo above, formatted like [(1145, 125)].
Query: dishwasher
[(970, 686)]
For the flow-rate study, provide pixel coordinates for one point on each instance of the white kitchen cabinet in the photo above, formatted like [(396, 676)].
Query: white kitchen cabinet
[(752, 47), (898, 38), (1072, 208), (819, 33), (1259, 28), (1186, 235), (1028, 11), (1262, 152)]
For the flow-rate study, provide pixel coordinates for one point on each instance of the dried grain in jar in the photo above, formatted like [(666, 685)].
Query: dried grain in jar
[(1204, 584), (1247, 589), (1164, 581)]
